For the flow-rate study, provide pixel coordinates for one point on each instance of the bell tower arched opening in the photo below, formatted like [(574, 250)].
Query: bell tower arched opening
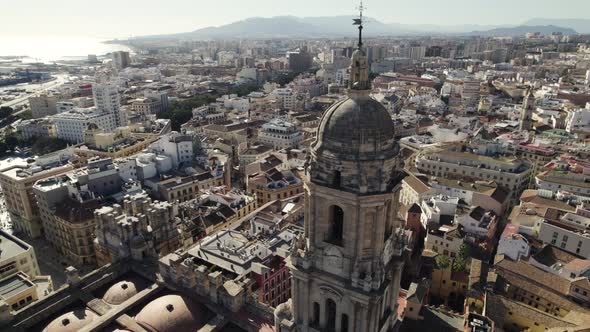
[(336, 227)]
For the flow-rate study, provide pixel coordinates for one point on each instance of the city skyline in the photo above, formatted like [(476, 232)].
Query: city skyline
[(132, 18), (313, 167)]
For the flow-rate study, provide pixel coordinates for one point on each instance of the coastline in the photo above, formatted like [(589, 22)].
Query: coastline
[(51, 49)]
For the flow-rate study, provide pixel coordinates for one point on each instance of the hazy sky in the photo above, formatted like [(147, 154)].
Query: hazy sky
[(124, 18)]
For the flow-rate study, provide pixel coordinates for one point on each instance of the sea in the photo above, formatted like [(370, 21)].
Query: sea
[(49, 49)]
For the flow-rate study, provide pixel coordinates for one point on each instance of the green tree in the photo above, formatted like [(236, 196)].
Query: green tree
[(442, 262), (182, 111), (244, 89), (284, 77), (45, 145), (463, 259)]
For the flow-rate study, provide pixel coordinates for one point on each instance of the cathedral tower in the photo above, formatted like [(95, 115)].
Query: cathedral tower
[(528, 106), (347, 268)]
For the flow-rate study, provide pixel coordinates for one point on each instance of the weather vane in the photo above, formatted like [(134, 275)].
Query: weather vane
[(359, 22)]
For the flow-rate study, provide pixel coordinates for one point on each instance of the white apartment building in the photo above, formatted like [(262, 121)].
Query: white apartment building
[(176, 146), (479, 222), (342, 76), (470, 92), (148, 165), (578, 122), (70, 126), (417, 52), (280, 135), (315, 87), (106, 98), (233, 102), (481, 193), (438, 209), (64, 106), (570, 233), (554, 180), (146, 106), (512, 244), (287, 98), (513, 174), (445, 240)]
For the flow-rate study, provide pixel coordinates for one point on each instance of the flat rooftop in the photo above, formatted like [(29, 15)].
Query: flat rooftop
[(11, 246), (12, 161), (14, 285)]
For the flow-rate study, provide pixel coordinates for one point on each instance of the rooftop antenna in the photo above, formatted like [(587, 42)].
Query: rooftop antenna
[(359, 22)]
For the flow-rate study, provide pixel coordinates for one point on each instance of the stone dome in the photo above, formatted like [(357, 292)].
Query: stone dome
[(71, 322), (357, 128), (171, 313), (355, 149), (120, 292)]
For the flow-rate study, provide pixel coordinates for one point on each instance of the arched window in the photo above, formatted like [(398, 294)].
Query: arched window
[(336, 225), (344, 323), (330, 315), (316, 314)]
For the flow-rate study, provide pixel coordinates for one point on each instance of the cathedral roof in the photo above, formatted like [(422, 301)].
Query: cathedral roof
[(171, 313), (71, 321), (120, 292)]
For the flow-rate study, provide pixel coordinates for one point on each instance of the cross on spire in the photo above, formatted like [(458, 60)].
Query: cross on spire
[(359, 22)]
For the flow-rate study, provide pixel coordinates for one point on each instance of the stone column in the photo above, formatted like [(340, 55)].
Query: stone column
[(338, 316), (307, 213), (379, 230), (323, 313), (296, 296), (361, 322), (305, 304), (373, 316), (312, 219), (396, 278)]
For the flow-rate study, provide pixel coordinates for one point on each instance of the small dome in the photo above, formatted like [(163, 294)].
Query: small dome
[(172, 313), (120, 292), (71, 322)]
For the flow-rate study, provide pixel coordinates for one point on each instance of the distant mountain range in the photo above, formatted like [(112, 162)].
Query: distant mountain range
[(340, 26), (580, 25)]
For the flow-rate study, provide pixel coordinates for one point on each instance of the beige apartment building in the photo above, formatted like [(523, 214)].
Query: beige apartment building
[(16, 292), (185, 188), (16, 256), (43, 105), (74, 225), (510, 173), (17, 185), (66, 209)]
